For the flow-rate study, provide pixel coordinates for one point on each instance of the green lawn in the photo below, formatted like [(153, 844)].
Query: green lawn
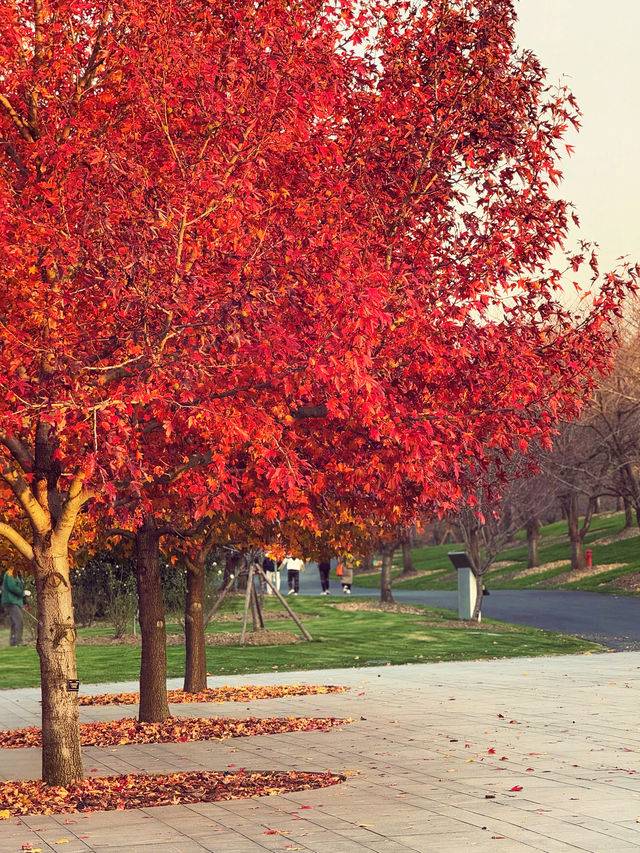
[(341, 639), (553, 547)]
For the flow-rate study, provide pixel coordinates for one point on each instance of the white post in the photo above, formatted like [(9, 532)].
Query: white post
[(467, 593)]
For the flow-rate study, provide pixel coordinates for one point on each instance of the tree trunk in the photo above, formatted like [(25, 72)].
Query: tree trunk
[(476, 616), (408, 569), (533, 538), (56, 645), (474, 552), (153, 664), (385, 576), (52, 515), (628, 514), (231, 563), (195, 673), (634, 488), (577, 532), (407, 562)]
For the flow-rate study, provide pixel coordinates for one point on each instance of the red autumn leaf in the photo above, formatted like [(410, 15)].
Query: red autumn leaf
[(516, 788), (174, 729), (142, 791), (246, 693)]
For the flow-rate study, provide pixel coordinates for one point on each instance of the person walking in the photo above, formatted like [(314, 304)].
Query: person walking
[(271, 568), (347, 575), (12, 598), (324, 567), (293, 567)]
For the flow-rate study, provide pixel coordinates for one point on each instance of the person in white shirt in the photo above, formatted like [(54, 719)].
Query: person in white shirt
[(293, 567)]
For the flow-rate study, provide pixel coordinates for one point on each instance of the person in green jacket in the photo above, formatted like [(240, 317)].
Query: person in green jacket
[(13, 599)]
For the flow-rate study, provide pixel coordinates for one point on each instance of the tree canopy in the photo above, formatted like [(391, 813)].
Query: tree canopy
[(294, 243)]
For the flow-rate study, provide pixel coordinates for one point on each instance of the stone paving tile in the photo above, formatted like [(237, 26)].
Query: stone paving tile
[(417, 783), (140, 846)]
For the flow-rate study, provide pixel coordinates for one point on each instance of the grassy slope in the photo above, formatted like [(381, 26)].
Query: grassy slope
[(341, 639), (554, 546)]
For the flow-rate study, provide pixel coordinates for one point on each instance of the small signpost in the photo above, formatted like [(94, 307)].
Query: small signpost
[(467, 587)]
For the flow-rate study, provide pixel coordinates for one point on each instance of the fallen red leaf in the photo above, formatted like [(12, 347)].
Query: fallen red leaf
[(142, 791), (175, 729), (246, 693), (516, 788)]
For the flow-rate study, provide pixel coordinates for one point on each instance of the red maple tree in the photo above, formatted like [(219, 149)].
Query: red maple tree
[(311, 233)]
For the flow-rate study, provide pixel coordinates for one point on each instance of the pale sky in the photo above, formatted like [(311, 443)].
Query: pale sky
[(594, 47)]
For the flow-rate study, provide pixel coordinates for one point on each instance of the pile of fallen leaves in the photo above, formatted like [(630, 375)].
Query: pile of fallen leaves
[(382, 606), (174, 730), (246, 693), (135, 792)]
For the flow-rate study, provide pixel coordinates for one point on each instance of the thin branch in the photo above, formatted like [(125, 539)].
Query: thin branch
[(11, 150), (18, 541), (76, 498), (38, 517), (15, 118), (120, 531), (19, 451)]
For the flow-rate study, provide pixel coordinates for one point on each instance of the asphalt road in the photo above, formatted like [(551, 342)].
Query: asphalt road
[(611, 620)]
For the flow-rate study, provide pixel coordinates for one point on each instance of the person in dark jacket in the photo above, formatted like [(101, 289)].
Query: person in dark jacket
[(324, 567), (13, 599)]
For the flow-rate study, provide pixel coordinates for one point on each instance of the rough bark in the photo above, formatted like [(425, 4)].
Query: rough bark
[(153, 664), (195, 673), (51, 513), (56, 645), (628, 513), (533, 538), (385, 575)]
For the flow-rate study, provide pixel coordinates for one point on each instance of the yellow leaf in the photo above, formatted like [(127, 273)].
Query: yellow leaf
[(4, 814)]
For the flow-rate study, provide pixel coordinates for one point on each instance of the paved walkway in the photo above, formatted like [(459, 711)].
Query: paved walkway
[(518, 755)]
